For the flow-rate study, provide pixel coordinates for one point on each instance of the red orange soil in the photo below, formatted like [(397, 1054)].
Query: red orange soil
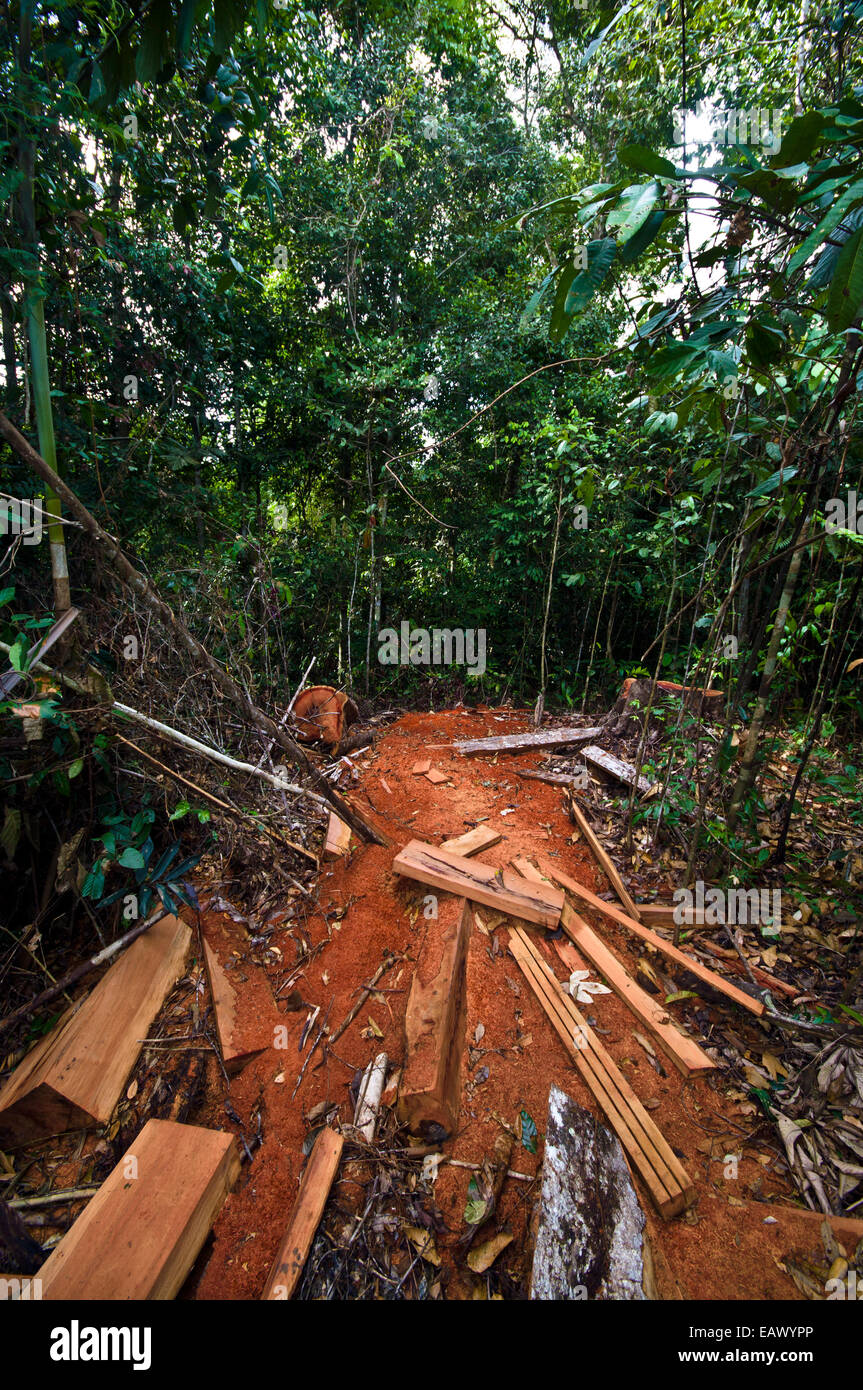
[(722, 1249)]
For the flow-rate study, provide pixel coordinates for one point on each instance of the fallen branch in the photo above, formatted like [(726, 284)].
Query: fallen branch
[(152, 599)]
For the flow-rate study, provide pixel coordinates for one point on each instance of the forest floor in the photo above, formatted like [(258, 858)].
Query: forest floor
[(727, 1246)]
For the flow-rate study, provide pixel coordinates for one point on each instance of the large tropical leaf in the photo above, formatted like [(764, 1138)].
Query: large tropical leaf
[(846, 290)]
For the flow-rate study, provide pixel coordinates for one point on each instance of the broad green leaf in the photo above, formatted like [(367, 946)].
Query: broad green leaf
[(852, 195), (640, 240), (640, 157), (845, 299), (131, 858)]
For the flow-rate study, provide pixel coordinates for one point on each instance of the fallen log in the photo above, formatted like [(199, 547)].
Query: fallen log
[(152, 599), (523, 743), (141, 1233), (308, 1209), (591, 1242)]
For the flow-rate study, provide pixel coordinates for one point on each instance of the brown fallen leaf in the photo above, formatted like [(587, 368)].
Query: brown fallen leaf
[(423, 1242)]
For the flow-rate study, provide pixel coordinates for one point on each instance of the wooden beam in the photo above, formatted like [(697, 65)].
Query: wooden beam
[(523, 743), (74, 1077), (141, 1233), (435, 1022), (473, 841), (665, 1178), (308, 1209), (338, 840), (686, 1055), (615, 767), (609, 868), (497, 888), (689, 963)]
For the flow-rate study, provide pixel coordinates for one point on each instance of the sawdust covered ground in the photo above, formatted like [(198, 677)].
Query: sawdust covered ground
[(726, 1247)]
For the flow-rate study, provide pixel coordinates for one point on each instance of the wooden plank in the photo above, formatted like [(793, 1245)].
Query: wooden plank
[(246, 1019), (436, 777), (695, 967), (662, 915), (523, 743), (497, 888), (141, 1233), (473, 841), (435, 1022), (74, 1077), (609, 868), (615, 767), (421, 767), (338, 840), (662, 1173), (686, 1055), (308, 1209), (554, 779), (591, 1241)]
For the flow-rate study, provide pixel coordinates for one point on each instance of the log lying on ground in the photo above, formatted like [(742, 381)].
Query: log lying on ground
[(435, 1022), (615, 767), (308, 1209), (152, 599), (74, 1077), (140, 1235), (686, 1055), (497, 888), (473, 841), (662, 1173), (591, 1242), (523, 743), (609, 868), (694, 966)]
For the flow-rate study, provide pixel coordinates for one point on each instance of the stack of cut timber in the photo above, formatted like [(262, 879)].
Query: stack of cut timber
[(694, 966), (662, 1173), (141, 1233), (74, 1077), (430, 1086), (591, 1242), (523, 743), (246, 1017), (308, 1209), (686, 1055), (497, 888)]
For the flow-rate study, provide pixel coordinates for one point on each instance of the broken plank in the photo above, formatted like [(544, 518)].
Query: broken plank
[(709, 977), (609, 868), (421, 767), (521, 743), (473, 841), (615, 767), (74, 1077), (435, 1022), (667, 1182), (435, 776), (686, 1055), (308, 1209), (591, 1242), (338, 840), (498, 888), (554, 779), (246, 1017), (141, 1233), (663, 915)]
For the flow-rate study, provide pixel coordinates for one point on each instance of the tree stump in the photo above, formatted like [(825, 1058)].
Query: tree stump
[(323, 715)]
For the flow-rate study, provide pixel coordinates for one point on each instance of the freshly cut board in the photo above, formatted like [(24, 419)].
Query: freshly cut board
[(141, 1233), (74, 1077), (498, 888), (473, 841), (521, 743), (664, 1176), (338, 841), (308, 1209), (615, 767), (686, 1055), (606, 863), (694, 966)]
